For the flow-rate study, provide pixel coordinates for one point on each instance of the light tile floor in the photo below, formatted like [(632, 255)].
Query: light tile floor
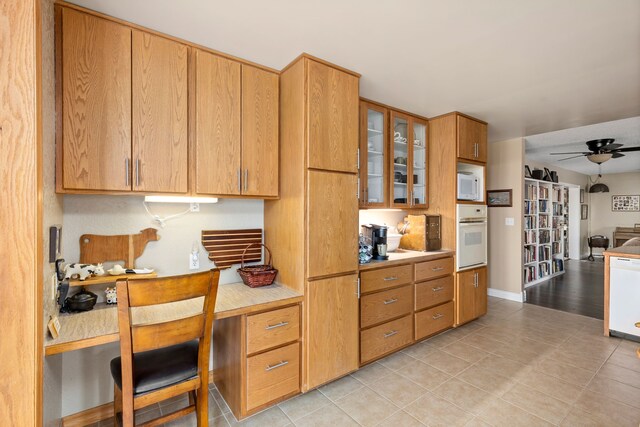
[(520, 365)]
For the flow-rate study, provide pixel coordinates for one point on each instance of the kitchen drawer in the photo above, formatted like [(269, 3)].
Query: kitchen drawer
[(375, 280), (432, 269), (272, 375), (434, 320), (382, 306), (385, 338), (273, 328), (434, 292)]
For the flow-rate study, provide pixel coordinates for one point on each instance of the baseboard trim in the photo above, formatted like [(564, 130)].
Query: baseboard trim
[(99, 413), (511, 296)]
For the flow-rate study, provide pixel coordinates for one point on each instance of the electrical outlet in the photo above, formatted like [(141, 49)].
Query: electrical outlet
[(194, 207), (194, 261)]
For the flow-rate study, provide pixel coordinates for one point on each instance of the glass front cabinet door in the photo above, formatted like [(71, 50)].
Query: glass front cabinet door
[(408, 160), (373, 156)]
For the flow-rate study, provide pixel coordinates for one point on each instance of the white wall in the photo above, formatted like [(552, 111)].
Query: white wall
[(602, 219)]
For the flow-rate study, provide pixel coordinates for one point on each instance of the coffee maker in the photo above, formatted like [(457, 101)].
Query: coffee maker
[(378, 236)]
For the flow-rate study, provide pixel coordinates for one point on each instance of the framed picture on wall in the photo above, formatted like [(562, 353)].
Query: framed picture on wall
[(499, 198), (584, 211), (625, 203), (527, 171)]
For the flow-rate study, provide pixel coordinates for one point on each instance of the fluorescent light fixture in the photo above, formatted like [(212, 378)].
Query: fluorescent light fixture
[(179, 199)]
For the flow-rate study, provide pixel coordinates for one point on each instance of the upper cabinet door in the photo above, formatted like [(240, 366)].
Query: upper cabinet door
[(217, 125), (419, 161), (332, 119), (399, 152), (96, 98), (472, 139), (374, 168), (159, 114), (332, 215), (259, 132)]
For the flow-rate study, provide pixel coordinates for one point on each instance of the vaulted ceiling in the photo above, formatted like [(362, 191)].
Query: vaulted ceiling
[(526, 67)]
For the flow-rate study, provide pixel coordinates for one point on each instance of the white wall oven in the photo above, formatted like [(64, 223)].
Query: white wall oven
[(471, 249)]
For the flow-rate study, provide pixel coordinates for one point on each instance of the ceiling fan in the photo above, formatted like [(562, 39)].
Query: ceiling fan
[(601, 150)]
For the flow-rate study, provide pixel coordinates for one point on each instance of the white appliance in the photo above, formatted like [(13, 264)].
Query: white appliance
[(624, 297), (468, 188), (472, 236)]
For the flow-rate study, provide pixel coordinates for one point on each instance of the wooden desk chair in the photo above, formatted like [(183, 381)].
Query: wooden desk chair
[(161, 360)]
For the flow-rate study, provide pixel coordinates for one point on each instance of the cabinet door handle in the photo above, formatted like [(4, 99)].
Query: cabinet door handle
[(126, 172), (137, 172), (358, 288), (437, 316), (239, 181), (390, 301), (387, 279), (277, 325), (437, 268), (246, 179), (390, 334), (438, 289), (277, 365)]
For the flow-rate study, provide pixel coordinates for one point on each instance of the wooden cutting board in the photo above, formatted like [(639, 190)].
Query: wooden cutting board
[(96, 248), (225, 247)]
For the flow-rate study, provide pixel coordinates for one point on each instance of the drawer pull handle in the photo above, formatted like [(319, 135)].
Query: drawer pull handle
[(437, 316), (277, 325), (277, 365), (390, 334), (390, 278), (437, 268), (390, 301), (438, 289)]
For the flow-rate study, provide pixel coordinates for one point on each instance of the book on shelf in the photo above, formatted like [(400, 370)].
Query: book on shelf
[(557, 209), (543, 204), (530, 237), (543, 193), (543, 221), (544, 236), (529, 222), (530, 207), (530, 274), (544, 253), (543, 270), (558, 265), (529, 254), (530, 191)]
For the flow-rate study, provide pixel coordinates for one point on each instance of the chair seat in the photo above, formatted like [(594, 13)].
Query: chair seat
[(160, 368)]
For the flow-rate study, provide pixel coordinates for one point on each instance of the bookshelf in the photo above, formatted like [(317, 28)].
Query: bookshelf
[(545, 233)]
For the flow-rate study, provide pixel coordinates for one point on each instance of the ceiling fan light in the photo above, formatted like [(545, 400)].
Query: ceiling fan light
[(599, 158), (599, 188)]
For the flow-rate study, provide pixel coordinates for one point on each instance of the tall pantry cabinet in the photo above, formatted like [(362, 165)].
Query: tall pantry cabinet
[(313, 229)]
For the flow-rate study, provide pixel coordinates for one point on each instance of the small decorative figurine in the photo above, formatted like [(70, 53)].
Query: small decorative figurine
[(111, 296), (82, 271)]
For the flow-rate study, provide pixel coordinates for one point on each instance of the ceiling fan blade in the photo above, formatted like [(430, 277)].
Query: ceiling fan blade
[(617, 155), (574, 152), (611, 147), (568, 158), (628, 149)]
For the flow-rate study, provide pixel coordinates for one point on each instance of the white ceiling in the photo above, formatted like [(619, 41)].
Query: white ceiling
[(626, 131), (526, 67)]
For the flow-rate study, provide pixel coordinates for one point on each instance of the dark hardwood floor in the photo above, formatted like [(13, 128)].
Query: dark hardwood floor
[(579, 290)]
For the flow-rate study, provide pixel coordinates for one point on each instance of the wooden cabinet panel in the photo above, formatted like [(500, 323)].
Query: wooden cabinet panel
[(332, 329), (272, 328), (434, 320), (434, 292), (332, 216), (383, 339), (159, 120), (471, 294), (96, 103), (432, 269), (481, 293), (272, 375), (382, 306), (217, 125), (375, 280), (332, 119), (259, 132), (472, 139)]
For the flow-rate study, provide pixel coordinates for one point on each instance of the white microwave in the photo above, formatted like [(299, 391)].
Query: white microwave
[(468, 188)]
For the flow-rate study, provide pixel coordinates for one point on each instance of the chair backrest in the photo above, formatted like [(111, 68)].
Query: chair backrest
[(136, 338)]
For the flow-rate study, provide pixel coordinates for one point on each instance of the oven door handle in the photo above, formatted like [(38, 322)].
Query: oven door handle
[(470, 224)]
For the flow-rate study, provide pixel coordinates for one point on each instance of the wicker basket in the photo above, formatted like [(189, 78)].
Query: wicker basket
[(257, 275)]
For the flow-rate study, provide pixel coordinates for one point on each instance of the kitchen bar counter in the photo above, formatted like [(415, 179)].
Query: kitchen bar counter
[(100, 325), (624, 251), (403, 257)]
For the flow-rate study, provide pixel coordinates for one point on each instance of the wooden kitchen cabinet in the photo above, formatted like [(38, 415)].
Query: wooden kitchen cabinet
[(332, 328), (332, 119), (94, 136), (471, 294), (332, 243), (159, 120), (259, 132), (374, 156), (408, 161), (472, 139)]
